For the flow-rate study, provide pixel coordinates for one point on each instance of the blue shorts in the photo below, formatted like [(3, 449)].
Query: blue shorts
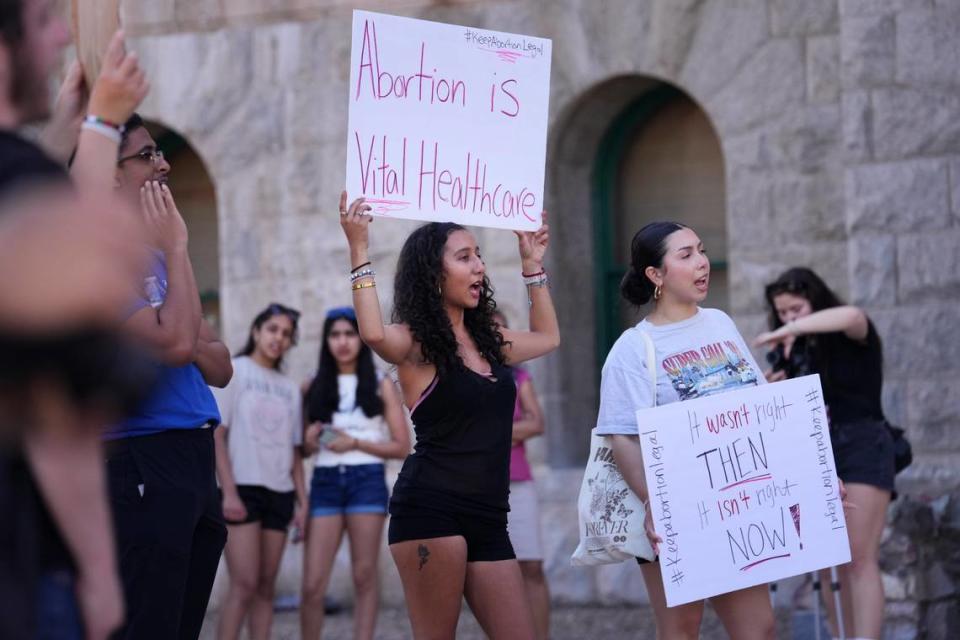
[(346, 488)]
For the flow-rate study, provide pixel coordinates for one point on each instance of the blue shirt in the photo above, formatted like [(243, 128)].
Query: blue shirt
[(180, 398)]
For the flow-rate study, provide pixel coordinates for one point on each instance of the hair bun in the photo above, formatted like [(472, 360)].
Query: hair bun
[(635, 289)]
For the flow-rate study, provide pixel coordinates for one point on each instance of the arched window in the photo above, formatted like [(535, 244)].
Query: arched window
[(659, 160)]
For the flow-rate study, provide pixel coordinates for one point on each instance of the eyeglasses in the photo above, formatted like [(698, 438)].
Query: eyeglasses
[(342, 312), (277, 308), (151, 155)]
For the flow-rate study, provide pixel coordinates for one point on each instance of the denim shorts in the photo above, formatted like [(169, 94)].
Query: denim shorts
[(348, 488)]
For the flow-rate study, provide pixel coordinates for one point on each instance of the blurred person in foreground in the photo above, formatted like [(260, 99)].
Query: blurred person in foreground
[(61, 365)]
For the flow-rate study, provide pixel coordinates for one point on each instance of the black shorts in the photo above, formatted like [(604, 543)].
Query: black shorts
[(486, 537), (272, 509), (863, 453)]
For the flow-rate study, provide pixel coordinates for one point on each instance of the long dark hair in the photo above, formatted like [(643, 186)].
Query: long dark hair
[(323, 396), (418, 301), (819, 347), (274, 309), (647, 249), (803, 282)]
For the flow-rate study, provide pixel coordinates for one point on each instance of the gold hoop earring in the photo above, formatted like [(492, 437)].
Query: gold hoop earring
[(657, 293)]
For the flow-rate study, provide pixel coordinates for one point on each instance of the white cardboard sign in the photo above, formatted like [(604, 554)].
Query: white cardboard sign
[(743, 488), (447, 123)]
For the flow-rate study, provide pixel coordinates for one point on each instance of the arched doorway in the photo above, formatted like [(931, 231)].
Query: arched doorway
[(660, 159), (196, 199), (631, 149)]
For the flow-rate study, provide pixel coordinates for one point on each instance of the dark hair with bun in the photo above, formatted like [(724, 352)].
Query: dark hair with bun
[(646, 250)]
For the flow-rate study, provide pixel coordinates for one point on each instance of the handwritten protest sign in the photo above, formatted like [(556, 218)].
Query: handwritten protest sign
[(447, 122), (743, 488)]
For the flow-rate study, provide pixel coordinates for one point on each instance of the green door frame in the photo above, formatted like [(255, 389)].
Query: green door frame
[(606, 172)]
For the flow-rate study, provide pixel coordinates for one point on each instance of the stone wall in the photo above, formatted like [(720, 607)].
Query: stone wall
[(839, 121), (900, 88)]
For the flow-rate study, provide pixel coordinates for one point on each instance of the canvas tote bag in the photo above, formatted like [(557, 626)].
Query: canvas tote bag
[(609, 515)]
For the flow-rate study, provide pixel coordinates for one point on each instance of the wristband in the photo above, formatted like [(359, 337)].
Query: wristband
[(531, 275), (107, 123), (104, 130), (363, 285), (360, 266)]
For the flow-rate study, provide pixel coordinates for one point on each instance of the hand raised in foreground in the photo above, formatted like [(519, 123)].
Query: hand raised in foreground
[(355, 220), (533, 246)]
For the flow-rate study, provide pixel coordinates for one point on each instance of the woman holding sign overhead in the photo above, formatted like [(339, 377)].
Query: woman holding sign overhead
[(448, 526), (668, 265)]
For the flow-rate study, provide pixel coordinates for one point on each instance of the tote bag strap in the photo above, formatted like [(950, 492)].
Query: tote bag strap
[(651, 361)]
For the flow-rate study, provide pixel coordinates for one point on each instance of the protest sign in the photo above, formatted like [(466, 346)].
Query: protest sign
[(743, 488), (94, 23), (447, 123)]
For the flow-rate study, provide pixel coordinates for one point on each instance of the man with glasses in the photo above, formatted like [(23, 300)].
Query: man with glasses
[(160, 467)]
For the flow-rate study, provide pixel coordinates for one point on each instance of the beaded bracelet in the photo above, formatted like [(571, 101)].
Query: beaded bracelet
[(537, 280), (366, 273), (363, 285)]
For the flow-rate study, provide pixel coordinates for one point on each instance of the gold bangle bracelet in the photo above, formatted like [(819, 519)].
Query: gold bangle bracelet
[(363, 285)]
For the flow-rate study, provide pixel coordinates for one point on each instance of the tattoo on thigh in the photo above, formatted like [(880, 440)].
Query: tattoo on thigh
[(424, 553)]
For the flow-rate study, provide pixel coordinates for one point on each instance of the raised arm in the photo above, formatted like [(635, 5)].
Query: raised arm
[(118, 90), (850, 320), (59, 136), (392, 342), (544, 334), (170, 331)]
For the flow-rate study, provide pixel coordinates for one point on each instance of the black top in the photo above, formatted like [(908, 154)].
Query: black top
[(852, 375), (29, 541), (462, 456), (23, 163)]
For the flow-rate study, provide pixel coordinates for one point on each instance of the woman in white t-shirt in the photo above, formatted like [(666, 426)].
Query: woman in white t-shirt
[(699, 352), (260, 476), (356, 422)]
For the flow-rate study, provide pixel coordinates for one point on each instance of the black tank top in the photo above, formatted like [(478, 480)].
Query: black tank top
[(462, 456)]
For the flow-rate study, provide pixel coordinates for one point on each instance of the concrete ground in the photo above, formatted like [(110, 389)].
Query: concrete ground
[(567, 623)]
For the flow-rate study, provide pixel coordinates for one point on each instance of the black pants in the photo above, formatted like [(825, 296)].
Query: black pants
[(170, 530)]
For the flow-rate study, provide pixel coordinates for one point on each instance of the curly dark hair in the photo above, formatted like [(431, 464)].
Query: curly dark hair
[(323, 396), (418, 302)]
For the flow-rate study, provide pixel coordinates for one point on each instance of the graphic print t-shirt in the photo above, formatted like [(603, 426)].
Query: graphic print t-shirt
[(698, 357), (261, 407)]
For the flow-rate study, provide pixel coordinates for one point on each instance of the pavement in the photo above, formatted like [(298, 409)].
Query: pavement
[(567, 623)]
